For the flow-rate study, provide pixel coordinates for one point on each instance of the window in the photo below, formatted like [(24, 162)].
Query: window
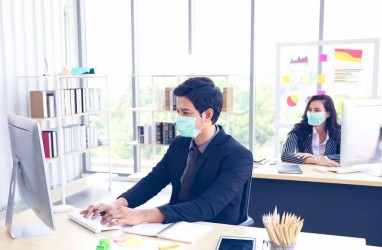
[(276, 22)]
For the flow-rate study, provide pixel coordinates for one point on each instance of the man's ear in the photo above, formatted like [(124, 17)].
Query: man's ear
[(209, 113)]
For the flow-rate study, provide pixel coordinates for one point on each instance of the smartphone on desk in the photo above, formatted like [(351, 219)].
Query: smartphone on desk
[(236, 243)]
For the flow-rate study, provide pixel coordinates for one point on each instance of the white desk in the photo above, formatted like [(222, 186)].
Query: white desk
[(70, 235), (310, 175), (341, 204)]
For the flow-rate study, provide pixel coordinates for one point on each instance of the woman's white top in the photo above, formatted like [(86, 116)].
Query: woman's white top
[(318, 149)]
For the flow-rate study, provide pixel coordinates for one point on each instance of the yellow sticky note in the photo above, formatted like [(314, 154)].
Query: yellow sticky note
[(168, 246), (286, 78), (131, 242), (305, 79), (320, 78)]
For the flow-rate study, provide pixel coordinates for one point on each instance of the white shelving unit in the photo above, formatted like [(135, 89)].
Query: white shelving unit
[(59, 82)]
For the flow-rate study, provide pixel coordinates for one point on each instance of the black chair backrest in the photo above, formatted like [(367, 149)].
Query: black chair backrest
[(245, 200)]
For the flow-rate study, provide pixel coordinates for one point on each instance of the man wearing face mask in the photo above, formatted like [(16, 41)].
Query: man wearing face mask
[(316, 138), (206, 167)]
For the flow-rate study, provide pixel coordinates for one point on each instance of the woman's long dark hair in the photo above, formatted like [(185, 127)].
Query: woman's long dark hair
[(303, 129)]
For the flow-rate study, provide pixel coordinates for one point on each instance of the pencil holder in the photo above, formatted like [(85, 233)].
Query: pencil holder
[(282, 232), (273, 246)]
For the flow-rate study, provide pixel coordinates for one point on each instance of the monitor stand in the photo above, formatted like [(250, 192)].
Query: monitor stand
[(62, 208), (28, 230)]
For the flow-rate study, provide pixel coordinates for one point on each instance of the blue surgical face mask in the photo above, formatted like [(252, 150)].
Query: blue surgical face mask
[(315, 118), (186, 126)]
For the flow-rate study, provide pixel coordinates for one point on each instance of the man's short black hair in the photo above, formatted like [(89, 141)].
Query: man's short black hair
[(203, 94)]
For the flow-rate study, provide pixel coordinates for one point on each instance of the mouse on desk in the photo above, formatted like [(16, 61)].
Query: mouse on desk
[(273, 161), (320, 169)]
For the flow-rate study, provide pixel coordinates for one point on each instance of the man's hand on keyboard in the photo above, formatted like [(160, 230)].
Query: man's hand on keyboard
[(102, 208), (118, 213)]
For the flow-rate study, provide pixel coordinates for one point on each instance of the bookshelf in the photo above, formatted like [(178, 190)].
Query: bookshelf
[(76, 99), (152, 103)]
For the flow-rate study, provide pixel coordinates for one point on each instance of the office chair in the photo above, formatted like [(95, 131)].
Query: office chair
[(247, 220)]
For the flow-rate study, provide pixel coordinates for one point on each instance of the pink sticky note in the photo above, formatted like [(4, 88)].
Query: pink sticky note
[(320, 92), (323, 57)]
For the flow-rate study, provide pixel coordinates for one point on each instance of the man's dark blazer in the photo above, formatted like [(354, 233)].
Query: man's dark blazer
[(216, 193)]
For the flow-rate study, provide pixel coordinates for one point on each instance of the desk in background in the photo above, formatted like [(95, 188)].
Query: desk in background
[(337, 204), (70, 235)]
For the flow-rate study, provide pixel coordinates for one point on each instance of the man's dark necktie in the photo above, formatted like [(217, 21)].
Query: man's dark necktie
[(190, 175)]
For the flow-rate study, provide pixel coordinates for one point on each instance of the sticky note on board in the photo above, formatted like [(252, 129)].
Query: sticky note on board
[(286, 78), (320, 78), (305, 79), (323, 57), (320, 92)]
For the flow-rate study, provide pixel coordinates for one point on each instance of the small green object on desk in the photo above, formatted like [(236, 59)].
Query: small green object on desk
[(104, 244)]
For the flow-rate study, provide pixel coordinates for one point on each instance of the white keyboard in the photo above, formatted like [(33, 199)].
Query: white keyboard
[(93, 225)]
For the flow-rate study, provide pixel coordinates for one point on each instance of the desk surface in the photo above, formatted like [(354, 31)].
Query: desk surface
[(270, 172), (69, 235)]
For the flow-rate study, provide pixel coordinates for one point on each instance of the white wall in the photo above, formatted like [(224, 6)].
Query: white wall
[(30, 31)]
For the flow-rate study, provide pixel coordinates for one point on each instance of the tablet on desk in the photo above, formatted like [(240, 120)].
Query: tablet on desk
[(232, 243), (289, 169)]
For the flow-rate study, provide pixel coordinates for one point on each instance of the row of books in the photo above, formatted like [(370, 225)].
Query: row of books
[(75, 137), (156, 133), (167, 101), (73, 101)]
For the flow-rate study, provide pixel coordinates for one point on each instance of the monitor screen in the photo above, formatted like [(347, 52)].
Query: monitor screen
[(361, 132), (29, 176)]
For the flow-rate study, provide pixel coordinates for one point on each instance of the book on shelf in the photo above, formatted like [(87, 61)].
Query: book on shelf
[(227, 99), (169, 99), (51, 103), (156, 133), (93, 139), (181, 231), (159, 132), (38, 103), (47, 142), (166, 136), (78, 100), (141, 134), (148, 133), (72, 101), (67, 110), (78, 137), (50, 144)]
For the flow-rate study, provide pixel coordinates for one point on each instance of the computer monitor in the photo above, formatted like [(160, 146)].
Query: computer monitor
[(361, 133), (29, 175)]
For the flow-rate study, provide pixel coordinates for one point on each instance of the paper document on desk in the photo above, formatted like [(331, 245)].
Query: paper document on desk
[(181, 231), (353, 168)]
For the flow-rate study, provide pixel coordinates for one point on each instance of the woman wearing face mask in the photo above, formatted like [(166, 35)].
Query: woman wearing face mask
[(316, 138)]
